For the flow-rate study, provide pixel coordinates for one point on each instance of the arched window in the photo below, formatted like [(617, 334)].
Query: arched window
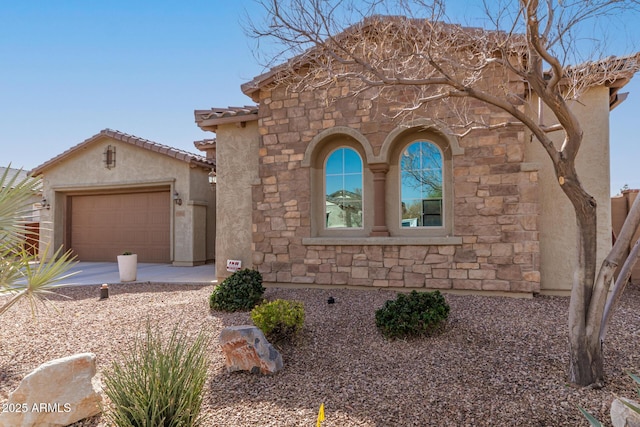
[(343, 189), (421, 181)]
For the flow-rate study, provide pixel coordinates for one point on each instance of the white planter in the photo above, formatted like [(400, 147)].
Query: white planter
[(128, 267)]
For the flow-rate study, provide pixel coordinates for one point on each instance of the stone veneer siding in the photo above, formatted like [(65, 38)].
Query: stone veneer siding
[(495, 207)]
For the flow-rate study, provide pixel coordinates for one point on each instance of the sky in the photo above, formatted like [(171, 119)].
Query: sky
[(70, 68)]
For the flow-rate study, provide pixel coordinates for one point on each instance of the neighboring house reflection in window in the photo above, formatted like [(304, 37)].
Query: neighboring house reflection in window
[(343, 189), (421, 185)]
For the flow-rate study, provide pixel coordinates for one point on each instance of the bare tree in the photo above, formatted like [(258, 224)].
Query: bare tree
[(528, 49)]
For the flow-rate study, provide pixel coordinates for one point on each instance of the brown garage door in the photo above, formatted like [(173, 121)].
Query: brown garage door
[(105, 225)]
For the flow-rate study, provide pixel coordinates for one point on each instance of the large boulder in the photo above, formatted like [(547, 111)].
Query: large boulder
[(246, 349), (622, 415), (55, 394)]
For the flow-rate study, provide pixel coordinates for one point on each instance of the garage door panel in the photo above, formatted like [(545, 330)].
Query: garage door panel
[(105, 225), (157, 220), (155, 239)]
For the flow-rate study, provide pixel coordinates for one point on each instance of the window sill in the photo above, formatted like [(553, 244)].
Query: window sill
[(382, 241)]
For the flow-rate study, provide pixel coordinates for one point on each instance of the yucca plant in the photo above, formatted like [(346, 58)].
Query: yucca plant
[(22, 276), (159, 382)]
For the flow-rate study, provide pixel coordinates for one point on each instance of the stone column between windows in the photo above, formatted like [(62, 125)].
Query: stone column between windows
[(379, 183)]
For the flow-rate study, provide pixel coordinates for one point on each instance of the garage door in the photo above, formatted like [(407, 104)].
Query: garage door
[(105, 225)]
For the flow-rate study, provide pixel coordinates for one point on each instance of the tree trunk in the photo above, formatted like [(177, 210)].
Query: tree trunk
[(588, 317), (586, 365)]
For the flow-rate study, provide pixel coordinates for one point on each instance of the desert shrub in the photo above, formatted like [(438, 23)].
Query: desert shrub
[(159, 382), (240, 291), (413, 314), (279, 320)]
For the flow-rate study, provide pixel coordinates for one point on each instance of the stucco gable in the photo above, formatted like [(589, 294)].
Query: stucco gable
[(190, 158)]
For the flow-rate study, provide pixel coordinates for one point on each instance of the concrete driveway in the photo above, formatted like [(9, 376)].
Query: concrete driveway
[(96, 273)]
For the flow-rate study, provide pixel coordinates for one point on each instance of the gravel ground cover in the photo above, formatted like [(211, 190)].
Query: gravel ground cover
[(500, 361)]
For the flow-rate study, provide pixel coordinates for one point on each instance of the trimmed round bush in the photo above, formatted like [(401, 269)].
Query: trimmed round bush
[(279, 320), (413, 315), (239, 292)]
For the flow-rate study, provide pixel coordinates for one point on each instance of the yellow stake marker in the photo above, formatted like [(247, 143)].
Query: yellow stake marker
[(320, 415)]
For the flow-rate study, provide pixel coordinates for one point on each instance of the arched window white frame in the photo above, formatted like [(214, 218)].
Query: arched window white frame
[(422, 185), (343, 189)]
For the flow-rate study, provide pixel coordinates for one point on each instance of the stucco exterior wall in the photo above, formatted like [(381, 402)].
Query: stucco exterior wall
[(202, 199), (237, 173), (558, 230), (83, 171)]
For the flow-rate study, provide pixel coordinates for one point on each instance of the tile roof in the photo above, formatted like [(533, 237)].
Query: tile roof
[(204, 144), (18, 174), (292, 65), (185, 156), (209, 146), (613, 72), (22, 174), (217, 116), (595, 73)]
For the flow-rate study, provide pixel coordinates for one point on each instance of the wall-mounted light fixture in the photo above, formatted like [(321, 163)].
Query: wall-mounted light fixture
[(213, 179), (109, 157), (45, 204), (176, 199)]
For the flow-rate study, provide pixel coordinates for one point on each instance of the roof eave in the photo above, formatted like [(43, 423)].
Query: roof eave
[(204, 165), (617, 99), (208, 121), (205, 145), (252, 88), (40, 169), (214, 123)]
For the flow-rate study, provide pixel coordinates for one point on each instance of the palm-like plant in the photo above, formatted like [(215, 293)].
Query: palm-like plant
[(21, 275)]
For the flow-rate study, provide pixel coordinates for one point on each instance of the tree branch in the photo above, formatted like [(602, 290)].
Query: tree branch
[(597, 313)]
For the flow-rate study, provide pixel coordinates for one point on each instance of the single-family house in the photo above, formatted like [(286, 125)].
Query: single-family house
[(31, 213), (330, 187), (116, 192)]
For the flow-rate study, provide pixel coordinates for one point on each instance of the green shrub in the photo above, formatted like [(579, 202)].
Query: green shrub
[(279, 320), (413, 314), (239, 292), (159, 382)]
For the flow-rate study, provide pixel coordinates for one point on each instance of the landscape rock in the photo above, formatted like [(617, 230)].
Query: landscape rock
[(622, 415), (246, 349), (57, 393)]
